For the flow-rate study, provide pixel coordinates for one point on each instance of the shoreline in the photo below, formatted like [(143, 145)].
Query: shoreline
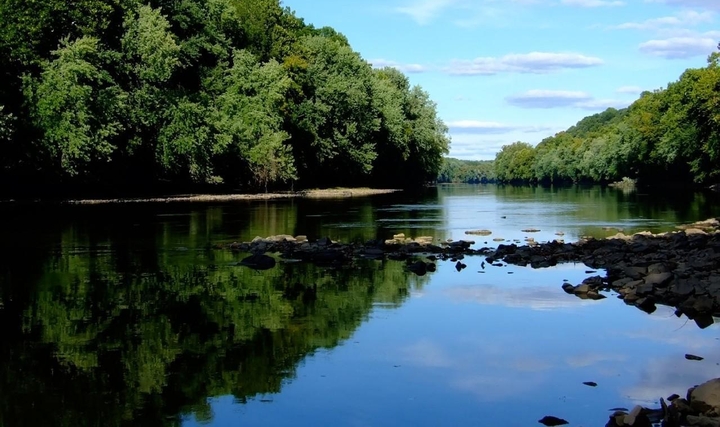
[(330, 193)]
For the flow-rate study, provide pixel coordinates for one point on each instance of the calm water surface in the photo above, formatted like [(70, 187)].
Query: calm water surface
[(127, 315)]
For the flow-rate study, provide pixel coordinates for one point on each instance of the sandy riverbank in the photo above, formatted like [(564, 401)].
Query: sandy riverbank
[(204, 198)]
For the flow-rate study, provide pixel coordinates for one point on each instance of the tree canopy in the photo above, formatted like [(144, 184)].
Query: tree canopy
[(126, 94)]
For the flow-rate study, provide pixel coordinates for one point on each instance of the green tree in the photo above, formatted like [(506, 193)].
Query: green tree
[(77, 105)]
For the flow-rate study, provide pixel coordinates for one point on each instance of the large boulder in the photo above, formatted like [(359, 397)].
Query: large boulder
[(705, 398)]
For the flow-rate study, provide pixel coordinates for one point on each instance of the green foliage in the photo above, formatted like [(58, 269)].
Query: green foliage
[(76, 105), (672, 133), (122, 93), (515, 162), (466, 171), (149, 46)]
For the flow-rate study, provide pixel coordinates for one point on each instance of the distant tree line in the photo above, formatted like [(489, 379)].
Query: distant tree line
[(466, 171), (122, 94), (671, 134)]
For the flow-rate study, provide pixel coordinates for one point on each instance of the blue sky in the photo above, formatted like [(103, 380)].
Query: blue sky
[(521, 70)]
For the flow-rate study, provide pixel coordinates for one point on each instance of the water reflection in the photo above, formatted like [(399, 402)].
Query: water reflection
[(127, 315)]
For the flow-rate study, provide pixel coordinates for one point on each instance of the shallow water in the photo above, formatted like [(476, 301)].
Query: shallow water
[(126, 315)]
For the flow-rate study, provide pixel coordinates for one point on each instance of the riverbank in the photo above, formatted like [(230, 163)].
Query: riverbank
[(329, 193)]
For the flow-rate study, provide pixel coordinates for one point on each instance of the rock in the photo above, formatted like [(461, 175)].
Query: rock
[(637, 418), (701, 421), (644, 289), (400, 236), (552, 421), (590, 384), (460, 266), (568, 288), (617, 419), (324, 241), (419, 268), (646, 304), (704, 320), (706, 397), (581, 289), (673, 397), (693, 357), (658, 279), (635, 273), (530, 230), (479, 232), (681, 405), (596, 296), (258, 262)]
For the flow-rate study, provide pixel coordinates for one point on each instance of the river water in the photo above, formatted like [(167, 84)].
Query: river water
[(129, 315)]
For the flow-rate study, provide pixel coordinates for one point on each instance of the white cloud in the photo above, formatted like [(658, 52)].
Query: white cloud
[(548, 98), (563, 99), (475, 147), (424, 11), (477, 127), (633, 90), (528, 63), (679, 47), (684, 18), (533, 297), (593, 3), (405, 68), (704, 4)]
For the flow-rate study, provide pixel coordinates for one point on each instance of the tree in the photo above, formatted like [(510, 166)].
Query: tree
[(77, 106), (249, 120)]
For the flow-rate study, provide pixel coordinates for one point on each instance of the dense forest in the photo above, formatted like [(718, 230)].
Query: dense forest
[(126, 94), (671, 134)]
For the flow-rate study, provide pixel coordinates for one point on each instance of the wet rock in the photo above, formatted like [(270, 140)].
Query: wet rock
[(693, 357), (551, 421), (673, 397), (460, 266), (568, 288), (590, 383), (531, 230), (258, 262)]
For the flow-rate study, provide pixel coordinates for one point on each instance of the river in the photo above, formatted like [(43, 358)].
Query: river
[(130, 315)]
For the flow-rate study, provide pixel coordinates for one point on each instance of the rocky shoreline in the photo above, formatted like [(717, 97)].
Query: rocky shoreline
[(680, 269)]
